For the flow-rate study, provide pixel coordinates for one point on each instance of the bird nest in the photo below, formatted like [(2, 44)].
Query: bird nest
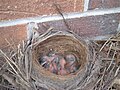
[(62, 44), (97, 62)]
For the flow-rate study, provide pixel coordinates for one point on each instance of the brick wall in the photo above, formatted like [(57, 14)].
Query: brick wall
[(13, 9), (87, 26), (102, 4), (13, 35)]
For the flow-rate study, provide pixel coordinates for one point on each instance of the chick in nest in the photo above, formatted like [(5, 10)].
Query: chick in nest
[(71, 65), (59, 65), (62, 70)]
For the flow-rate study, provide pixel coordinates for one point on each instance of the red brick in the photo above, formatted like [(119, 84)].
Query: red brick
[(88, 27), (14, 34), (28, 8), (102, 4)]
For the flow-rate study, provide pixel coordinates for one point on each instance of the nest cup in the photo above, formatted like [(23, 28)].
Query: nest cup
[(64, 43)]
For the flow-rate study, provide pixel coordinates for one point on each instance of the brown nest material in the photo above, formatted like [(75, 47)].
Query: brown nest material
[(99, 63), (63, 43)]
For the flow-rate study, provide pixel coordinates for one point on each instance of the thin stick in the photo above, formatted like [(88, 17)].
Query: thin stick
[(59, 11), (112, 60), (105, 44), (110, 49)]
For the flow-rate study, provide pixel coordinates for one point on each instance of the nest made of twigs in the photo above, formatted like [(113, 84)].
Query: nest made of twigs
[(99, 64), (63, 43)]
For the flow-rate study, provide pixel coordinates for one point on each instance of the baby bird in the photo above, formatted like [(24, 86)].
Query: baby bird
[(59, 65), (62, 70), (52, 69), (56, 61), (62, 63), (71, 65), (70, 59), (44, 61)]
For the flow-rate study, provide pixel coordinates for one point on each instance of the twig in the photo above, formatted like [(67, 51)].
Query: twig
[(117, 71), (110, 49), (112, 60), (9, 88), (3, 66), (105, 44), (59, 11), (19, 74)]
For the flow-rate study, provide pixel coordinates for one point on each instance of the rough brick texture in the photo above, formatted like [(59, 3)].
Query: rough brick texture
[(12, 9), (13, 34), (88, 27), (102, 4)]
